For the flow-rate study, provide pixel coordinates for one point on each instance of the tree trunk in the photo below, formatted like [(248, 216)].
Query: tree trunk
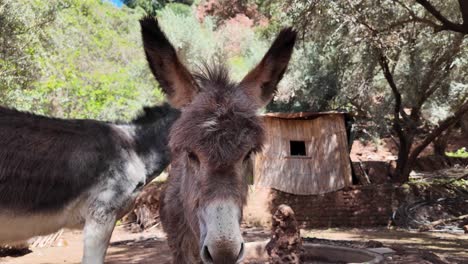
[(440, 144), (436, 132), (464, 126), (403, 167)]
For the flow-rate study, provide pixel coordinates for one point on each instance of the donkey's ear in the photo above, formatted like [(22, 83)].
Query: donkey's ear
[(261, 82), (174, 79)]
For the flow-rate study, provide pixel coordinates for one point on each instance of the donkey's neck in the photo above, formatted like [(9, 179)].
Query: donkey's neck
[(150, 136)]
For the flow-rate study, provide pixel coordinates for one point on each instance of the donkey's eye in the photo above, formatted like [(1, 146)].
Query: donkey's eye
[(192, 156)]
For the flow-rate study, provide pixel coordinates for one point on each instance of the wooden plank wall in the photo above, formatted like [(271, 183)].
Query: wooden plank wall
[(326, 167)]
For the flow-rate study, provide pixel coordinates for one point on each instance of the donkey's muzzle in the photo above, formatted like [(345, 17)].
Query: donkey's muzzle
[(221, 238)]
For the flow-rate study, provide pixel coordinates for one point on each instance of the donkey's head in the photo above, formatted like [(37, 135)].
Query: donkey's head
[(212, 140)]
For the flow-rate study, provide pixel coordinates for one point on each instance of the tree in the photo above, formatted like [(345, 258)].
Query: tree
[(74, 59), (406, 125), (385, 50), (17, 49)]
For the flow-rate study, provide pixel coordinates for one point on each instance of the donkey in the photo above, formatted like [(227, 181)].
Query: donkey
[(57, 173), (210, 144)]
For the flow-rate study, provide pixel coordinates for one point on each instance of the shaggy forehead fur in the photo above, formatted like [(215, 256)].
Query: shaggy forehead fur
[(221, 122)]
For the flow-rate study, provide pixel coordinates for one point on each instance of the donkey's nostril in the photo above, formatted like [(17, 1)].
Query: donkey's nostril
[(206, 256)]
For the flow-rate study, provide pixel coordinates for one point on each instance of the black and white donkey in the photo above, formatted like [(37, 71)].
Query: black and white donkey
[(57, 173)]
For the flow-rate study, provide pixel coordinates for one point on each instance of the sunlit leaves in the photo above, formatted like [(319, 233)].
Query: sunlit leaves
[(86, 62)]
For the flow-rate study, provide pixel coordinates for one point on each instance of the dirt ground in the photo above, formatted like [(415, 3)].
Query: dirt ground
[(150, 246), (386, 149), (411, 247), (146, 247)]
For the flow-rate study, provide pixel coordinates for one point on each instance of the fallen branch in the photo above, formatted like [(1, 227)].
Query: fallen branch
[(457, 179), (433, 258), (363, 177), (431, 225)]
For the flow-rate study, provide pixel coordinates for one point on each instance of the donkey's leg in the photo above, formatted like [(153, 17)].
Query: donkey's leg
[(97, 233)]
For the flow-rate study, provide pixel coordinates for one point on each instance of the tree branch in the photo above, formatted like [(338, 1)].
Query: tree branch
[(383, 61), (433, 224), (464, 10), (414, 18), (447, 24), (444, 61), (431, 9), (437, 131)]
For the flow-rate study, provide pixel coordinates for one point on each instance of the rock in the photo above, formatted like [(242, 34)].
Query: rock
[(285, 245), (433, 258), (374, 244), (465, 228)]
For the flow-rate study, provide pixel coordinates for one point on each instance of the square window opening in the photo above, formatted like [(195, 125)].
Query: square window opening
[(297, 148)]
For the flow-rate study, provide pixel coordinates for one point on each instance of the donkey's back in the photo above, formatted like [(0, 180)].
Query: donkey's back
[(45, 162)]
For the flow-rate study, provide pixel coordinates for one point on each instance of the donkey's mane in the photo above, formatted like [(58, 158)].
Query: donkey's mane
[(214, 75), (154, 113)]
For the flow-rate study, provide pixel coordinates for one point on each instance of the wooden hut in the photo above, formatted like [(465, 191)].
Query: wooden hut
[(304, 153)]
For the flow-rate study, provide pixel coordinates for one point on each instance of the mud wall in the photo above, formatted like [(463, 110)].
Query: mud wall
[(356, 206)]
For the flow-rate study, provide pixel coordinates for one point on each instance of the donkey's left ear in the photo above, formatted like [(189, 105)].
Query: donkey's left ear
[(261, 82), (173, 77)]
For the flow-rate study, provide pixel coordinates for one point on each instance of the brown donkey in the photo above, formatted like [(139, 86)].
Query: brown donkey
[(210, 144)]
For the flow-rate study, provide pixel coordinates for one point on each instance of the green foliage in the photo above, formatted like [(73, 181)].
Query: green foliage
[(84, 59), (180, 9), (21, 31), (335, 64), (238, 46), (318, 74), (193, 41), (151, 7), (460, 153), (81, 59), (89, 63)]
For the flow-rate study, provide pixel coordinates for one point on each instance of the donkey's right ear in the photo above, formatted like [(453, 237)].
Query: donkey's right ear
[(261, 82), (175, 80)]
